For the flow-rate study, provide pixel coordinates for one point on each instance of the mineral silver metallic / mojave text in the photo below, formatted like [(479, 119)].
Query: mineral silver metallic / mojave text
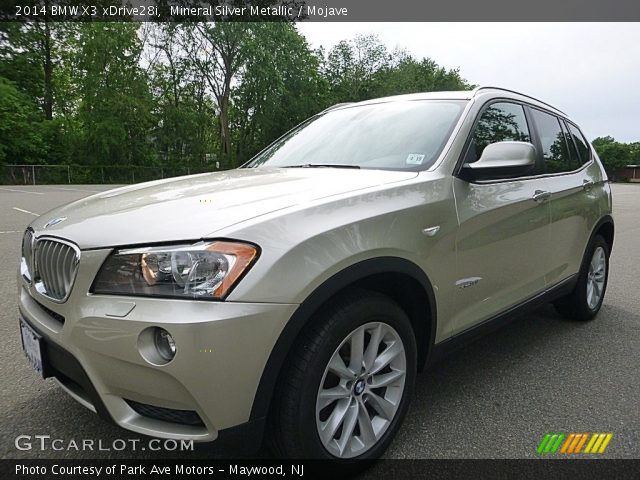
[(275, 11)]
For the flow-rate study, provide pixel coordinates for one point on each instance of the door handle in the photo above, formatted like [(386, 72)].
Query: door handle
[(540, 195), (587, 184)]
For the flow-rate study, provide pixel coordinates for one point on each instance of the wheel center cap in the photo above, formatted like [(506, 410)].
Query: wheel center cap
[(358, 388)]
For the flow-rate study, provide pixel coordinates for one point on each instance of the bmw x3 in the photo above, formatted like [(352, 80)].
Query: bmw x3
[(296, 297)]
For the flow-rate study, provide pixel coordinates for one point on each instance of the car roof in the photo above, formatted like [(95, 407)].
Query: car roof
[(481, 92)]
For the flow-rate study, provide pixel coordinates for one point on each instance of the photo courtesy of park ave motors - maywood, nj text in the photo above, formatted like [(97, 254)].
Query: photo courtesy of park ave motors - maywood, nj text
[(256, 239)]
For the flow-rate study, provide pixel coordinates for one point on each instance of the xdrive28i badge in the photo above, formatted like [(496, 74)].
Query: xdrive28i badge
[(54, 221)]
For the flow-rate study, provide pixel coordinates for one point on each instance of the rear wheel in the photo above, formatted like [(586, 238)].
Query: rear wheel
[(586, 299), (348, 381)]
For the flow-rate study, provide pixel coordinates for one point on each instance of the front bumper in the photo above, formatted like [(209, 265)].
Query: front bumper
[(91, 346)]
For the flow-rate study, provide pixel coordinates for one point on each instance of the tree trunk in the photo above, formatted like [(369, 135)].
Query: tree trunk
[(225, 140), (48, 69)]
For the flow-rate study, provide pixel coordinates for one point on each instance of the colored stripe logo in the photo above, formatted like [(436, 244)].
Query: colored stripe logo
[(574, 443)]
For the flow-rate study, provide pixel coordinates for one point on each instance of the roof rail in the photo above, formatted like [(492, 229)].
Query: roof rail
[(488, 87), (337, 105)]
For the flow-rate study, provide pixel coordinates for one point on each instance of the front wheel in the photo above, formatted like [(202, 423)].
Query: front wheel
[(348, 382), (586, 299)]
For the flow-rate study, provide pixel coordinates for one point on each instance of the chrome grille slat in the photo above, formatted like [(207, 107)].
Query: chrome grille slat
[(49, 252), (57, 249), (59, 282), (63, 284), (38, 263), (45, 260), (65, 259), (53, 267), (51, 256), (27, 255)]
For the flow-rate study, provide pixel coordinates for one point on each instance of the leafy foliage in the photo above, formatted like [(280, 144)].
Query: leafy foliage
[(195, 95), (114, 109), (615, 155), (21, 131), (363, 68), (496, 125), (280, 87)]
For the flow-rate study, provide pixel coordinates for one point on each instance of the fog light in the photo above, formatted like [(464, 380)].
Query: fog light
[(164, 343)]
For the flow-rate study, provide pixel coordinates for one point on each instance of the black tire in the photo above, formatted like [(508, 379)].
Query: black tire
[(293, 419), (575, 305)]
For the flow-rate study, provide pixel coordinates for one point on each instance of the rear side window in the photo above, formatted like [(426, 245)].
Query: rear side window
[(554, 146), (581, 143), (500, 122), (574, 158)]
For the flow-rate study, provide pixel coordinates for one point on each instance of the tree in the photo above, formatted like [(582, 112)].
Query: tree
[(363, 68), (31, 54), (20, 129), (408, 75), (218, 52), (635, 152), (614, 155), (36, 58), (351, 67), (279, 65), (183, 110), (132, 94), (114, 111)]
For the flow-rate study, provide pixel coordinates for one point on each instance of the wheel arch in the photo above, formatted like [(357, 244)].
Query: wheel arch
[(404, 282), (606, 228)]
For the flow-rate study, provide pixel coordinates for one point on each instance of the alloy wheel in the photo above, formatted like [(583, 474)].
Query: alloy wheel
[(596, 277), (361, 390)]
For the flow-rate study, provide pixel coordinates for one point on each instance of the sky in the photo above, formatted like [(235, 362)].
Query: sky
[(590, 71)]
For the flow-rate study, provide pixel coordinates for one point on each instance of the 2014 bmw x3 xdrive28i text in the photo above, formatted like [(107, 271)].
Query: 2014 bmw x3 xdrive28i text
[(298, 295)]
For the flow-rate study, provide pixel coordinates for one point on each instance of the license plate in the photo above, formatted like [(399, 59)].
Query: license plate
[(31, 346)]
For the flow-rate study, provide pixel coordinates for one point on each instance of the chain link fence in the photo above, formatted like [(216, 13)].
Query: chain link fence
[(83, 174)]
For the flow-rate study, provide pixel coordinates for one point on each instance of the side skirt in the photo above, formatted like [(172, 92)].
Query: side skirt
[(472, 334)]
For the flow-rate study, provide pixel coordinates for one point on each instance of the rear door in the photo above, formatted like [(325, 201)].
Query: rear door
[(573, 180), (503, 237)]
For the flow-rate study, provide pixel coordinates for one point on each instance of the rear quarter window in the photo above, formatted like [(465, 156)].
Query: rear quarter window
[(581, 143)]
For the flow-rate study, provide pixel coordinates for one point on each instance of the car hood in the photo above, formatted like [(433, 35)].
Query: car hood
[(196, 206)]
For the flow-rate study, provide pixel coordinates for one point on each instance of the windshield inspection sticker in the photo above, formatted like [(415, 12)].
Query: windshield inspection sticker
[(414, 159)]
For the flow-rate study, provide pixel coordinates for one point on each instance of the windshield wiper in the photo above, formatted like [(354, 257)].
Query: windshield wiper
[(322, 165)]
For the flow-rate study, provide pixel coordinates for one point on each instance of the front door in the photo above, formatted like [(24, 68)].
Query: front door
[(503, 234)]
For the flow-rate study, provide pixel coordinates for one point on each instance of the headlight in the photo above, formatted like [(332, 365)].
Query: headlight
[(202, 271)]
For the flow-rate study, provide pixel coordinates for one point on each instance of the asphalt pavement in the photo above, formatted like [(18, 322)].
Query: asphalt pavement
[(496, 398)]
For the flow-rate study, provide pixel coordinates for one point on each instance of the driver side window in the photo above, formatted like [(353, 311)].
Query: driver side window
[(499, 122)]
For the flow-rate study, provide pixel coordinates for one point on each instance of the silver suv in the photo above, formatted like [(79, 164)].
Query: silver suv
[(299, 294)]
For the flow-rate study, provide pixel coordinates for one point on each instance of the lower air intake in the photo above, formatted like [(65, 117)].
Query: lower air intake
[(183, 417)]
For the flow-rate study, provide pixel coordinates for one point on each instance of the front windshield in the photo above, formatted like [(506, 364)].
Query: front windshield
[(398, 135)]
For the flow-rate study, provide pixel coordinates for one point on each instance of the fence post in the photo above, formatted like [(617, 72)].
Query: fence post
[(69, 174), (161, 172), (102, 173), (133, 175), (33, 174)]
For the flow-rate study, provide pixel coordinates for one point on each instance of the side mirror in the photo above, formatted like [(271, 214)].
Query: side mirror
[(502, 159)]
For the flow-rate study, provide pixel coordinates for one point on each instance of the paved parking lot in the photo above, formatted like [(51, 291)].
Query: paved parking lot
[(494, 399)]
